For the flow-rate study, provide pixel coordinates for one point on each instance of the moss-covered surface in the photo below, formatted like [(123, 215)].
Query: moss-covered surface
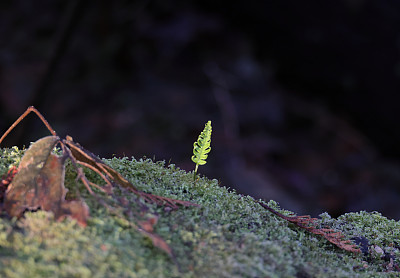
[(227, 236)]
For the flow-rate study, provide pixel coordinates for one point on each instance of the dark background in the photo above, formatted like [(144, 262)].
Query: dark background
[(303, 96)]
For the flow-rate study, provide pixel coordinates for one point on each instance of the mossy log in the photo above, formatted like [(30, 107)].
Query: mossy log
[(228, 235)]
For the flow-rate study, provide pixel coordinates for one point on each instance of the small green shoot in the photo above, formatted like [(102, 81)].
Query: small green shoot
[(202, 147)]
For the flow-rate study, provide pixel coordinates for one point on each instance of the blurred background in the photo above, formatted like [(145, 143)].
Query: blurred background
[(303, 97)]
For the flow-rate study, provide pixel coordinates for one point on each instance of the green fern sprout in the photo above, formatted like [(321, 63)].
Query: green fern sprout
[(202, 147)]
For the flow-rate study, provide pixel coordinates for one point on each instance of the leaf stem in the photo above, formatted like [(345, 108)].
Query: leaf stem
[(195, 172)]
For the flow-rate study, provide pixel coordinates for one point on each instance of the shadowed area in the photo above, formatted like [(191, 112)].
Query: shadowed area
[(302, 97)]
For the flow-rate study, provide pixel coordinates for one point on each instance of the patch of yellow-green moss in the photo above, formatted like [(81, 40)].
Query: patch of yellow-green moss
[(229, 235)]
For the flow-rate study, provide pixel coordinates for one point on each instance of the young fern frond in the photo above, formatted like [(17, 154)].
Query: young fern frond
[(202, 147)]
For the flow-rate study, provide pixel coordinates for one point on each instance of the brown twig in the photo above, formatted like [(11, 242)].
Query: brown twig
[(308, 223), (29, 110)]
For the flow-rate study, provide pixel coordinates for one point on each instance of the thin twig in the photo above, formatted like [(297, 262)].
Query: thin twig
[(29, 110), (87, 165)]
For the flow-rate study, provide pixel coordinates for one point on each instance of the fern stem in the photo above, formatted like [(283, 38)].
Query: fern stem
[(195, 172)]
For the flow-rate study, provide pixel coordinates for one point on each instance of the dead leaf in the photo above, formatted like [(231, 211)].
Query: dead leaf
[(39, 184), (24, 182), (157, 241), (78, 210), (146, 227), (149, 224)]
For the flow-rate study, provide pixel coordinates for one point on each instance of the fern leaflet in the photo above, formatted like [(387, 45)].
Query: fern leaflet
[(202, 147)]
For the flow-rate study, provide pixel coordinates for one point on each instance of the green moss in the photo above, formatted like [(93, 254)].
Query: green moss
[(228, 236)]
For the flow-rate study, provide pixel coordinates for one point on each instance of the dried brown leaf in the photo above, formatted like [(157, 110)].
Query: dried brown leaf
[(39, 184), (157, 241), (148, 225)]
